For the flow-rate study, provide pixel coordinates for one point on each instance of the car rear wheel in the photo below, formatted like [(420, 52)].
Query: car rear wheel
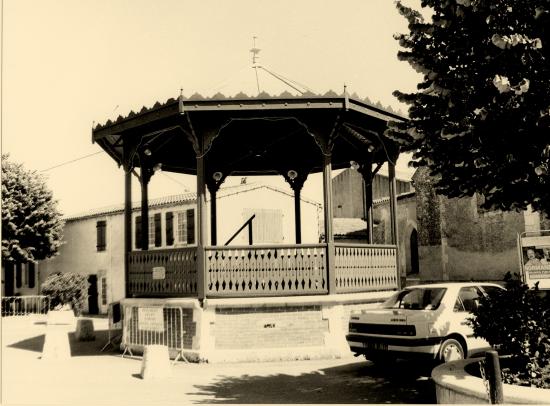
[(451, 350)]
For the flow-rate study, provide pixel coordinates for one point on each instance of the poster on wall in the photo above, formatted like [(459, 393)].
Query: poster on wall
[(535, 252)]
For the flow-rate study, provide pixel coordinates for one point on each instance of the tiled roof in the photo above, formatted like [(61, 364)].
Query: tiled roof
[(343, 226), (189, 197), (399, 197), (243, 96)]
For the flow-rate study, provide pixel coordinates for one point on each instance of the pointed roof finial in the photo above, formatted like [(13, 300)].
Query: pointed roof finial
[(346, 97), (180, 102)]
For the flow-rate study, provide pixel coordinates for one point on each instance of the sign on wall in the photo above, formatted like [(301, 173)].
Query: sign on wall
[(535, 258), (150, 319), (159, 272)]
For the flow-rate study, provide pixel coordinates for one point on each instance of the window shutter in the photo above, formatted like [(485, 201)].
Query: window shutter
[(18, 275), (158, 230), (31, 276), (169, 228), (190, 226), (138, 232), (101, 235)]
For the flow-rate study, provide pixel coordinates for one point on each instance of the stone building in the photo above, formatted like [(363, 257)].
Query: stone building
[(460, 240), (439, 238)]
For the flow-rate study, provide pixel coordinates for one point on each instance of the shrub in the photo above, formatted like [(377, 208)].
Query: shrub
[(66, 288), (517, 323)]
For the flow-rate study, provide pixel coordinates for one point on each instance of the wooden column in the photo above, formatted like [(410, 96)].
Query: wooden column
[(393, 202), (145, 177), (127, 225), (213, 217), (201, 227), (366, 173), (296, 180), (393, 218), (328, 212), (297, 215)]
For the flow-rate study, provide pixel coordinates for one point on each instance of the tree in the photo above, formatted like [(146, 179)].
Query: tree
[(31, 224), (480, 120), (517, 322), (66, 288)]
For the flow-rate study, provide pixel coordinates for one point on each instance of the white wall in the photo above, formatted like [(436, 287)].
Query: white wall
[(232, 212), (79, 254)]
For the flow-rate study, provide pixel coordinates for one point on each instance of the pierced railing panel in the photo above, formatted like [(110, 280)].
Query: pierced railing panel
[(175, 273), (266, 271), (362, 268)]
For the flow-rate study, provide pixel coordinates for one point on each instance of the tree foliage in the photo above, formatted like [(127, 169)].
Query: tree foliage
[(480, 120), (31, 224), (66, 288), (517, 322)]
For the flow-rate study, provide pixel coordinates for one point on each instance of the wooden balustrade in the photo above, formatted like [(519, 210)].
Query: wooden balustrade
[(361, 268), (282, 270), (178, 279)]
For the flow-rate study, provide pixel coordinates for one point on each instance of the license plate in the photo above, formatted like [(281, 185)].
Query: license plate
[(376, 346)]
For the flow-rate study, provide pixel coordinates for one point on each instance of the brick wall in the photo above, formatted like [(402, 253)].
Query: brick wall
[(269, 327)]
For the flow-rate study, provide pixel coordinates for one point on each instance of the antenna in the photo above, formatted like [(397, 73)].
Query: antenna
[(255, 51), (255, 65)]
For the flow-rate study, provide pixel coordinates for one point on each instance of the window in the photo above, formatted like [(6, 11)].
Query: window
[(186, 226), (169, 228), (182, 227), (416, 299), (104, 291), (18, 275), (31, 274), (101, 227), (267, 226), (190, 226), (491, 290), (154, 232), (151, 230), (138, 232), (467, 299)]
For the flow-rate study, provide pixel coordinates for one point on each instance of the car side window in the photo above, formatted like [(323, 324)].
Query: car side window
[(467, 299), (489, 290)]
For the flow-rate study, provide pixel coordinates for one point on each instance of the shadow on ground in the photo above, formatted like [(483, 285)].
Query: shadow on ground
[(78, 348), (351, 383)]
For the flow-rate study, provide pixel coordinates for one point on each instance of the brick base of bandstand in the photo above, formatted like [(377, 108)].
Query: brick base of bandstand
[(248, 329)]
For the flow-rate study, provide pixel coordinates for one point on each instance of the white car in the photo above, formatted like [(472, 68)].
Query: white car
[(428, 320)]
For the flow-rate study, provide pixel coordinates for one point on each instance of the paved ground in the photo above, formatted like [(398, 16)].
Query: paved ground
[(104, 378)]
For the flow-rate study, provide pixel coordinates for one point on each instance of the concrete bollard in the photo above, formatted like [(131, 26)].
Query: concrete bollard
[(56, 342), (156, 362), (85, 330)]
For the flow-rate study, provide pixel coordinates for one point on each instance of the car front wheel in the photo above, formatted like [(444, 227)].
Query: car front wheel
[(451, 350)]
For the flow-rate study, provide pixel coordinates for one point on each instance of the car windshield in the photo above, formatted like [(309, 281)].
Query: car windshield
[(416, 299)]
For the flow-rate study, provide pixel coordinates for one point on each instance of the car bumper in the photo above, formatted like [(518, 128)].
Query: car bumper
[(396, 346)]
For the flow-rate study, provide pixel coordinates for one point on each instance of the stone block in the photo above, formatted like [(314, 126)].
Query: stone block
[(156, 362), (85, 330)]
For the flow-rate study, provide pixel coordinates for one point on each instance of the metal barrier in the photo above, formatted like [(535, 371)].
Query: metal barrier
[(114, 315), (162, 325), (25, 305)]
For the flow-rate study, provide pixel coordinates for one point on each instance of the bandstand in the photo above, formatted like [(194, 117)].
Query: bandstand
[(255, 301)]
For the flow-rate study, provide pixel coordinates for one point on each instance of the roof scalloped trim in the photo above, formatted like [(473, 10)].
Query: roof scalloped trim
[(243, 96)]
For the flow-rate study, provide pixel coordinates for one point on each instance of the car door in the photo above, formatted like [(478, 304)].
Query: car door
[(466, 301)]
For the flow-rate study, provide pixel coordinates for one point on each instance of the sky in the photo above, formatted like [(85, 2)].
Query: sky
[(67, 64)]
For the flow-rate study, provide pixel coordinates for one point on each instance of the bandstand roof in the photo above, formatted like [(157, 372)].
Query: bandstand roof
[(244, 135)]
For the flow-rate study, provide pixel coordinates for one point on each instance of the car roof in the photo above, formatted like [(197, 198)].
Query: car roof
[(452, 285)]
